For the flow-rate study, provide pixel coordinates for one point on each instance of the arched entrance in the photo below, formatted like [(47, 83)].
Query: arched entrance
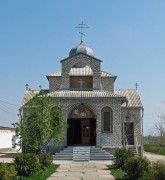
[(81, 129)]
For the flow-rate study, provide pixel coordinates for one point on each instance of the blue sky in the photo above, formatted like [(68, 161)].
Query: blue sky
[(127, 35)]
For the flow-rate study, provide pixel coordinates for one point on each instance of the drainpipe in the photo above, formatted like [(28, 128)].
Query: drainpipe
[(142, 131)]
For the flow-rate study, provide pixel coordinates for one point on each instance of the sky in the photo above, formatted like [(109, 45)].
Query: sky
[(127, 35)]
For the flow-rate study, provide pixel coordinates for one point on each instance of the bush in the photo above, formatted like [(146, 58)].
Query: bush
[(121, 156), (156, 172), (26, 164), (136, 167), (7, 172), (45, 159)]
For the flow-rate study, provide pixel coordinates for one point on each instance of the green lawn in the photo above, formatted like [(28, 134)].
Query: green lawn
[(117, 173), (43, 174), (154, 149)]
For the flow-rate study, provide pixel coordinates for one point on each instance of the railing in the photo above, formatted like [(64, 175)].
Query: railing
[(137, 145), (126, 143)]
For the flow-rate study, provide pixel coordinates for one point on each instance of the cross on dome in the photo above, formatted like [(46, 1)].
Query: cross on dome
[(81, 26)]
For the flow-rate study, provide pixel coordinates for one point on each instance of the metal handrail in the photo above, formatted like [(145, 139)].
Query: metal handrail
[(126, 142), (136, 145)]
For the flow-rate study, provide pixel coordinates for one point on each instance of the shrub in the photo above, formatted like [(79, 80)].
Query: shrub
[(121, 156), (26, 164), (156, 172), (7, 171), (136, 167), (45, 159)]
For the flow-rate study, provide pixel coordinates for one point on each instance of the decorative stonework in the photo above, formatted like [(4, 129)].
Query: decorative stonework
[(125, 104)]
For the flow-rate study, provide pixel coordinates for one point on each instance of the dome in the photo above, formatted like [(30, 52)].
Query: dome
[(81, 48)]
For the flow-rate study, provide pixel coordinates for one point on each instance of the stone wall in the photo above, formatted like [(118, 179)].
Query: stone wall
[(102, 138), (82, 59), (107, 84), (133, 115), (54, 83)]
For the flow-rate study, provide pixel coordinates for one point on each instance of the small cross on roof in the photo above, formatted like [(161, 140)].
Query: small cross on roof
[(81, 26)]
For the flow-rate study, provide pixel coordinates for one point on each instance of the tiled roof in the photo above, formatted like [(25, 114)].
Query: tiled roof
[(82, 72), (29, 95), (84, 94), (66, 94), (132, 97), (105, 74)]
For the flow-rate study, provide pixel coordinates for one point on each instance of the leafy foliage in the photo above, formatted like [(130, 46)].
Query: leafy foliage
[(121, 156), (45, 159), (39, 123), (156, 172), (136, 167), (43, 173), (26, 164), (7, 172)]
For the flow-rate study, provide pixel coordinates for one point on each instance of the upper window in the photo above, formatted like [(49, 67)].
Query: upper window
[(81, 77), (107, 121)]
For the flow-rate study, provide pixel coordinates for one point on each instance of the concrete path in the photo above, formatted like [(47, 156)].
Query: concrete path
[(85, 170), (7, 157), (154, 157)]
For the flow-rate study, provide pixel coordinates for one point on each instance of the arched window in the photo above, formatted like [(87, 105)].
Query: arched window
[(107, 119)]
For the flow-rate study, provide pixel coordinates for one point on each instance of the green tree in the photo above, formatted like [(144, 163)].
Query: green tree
[(39, 122)]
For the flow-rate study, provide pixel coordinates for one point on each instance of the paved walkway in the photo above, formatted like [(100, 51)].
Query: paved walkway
[(72, 170), (85, 170), (6, 157), (154, 157)]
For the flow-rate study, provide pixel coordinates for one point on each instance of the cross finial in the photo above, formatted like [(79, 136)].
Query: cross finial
[(81, 26), (136, 85), (40, 87), (27, 87)]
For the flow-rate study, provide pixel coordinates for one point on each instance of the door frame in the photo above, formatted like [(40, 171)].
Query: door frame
[(71, 131), (129, 133)]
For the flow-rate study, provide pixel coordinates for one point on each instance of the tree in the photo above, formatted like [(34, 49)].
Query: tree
[(160, 127), (39, 123)]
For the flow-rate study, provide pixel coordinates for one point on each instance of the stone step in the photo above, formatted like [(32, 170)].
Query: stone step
[(133, 149), (83, 153), (65, 154)]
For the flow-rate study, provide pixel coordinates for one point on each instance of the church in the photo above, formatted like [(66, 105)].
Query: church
[(96, 113)]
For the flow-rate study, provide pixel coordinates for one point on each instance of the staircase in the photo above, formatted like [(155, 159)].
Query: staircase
[(133, 149), (82, 153)]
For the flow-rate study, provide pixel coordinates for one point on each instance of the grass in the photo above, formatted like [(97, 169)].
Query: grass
[(43, 174), (117, 173), (154, 149)]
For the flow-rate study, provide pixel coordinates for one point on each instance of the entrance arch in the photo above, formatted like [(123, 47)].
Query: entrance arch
[(81, 129)]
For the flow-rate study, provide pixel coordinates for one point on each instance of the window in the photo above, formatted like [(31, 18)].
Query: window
[(107, 122)]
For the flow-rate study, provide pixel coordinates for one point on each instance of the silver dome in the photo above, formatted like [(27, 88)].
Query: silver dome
[(81, 48)]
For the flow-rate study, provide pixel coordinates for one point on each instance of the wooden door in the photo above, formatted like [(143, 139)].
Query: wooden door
[(85, 129), (70, 129), (93, 132)]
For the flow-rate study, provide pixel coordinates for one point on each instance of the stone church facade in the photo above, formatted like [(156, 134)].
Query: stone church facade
[(96, 113)]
